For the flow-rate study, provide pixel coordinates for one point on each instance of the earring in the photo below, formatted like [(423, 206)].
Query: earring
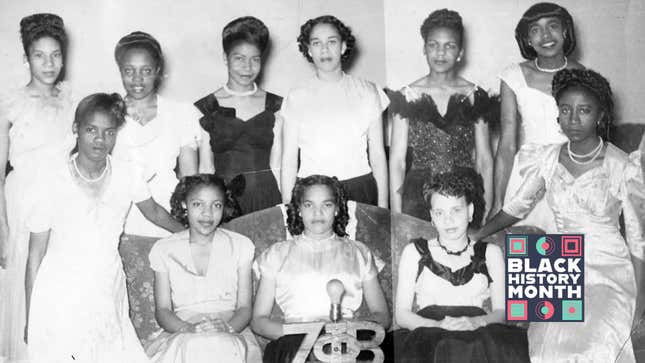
[(458, 59)]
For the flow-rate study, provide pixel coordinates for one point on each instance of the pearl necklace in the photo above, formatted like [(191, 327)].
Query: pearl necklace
[(566, 62), (107, 165), (242, 93), (454, 253), (594, 153)]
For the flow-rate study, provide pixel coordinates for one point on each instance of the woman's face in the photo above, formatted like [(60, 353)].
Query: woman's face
[(450, 215), (205, 206), (45, 60), (442, 49), (546, 36), (579, 114), (244, 63), (96, 136), (318, 209), (139, 72), (326, 47)]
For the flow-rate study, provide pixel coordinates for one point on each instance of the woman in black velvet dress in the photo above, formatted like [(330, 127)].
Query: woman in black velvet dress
[(240, 120)]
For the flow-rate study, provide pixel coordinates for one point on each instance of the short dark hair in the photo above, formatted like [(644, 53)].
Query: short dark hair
[(188, 184), (141, 40), (544, 10), (108, 104), (247, 29), (460, 182), (443, 18), (36, 26), (295, 224), (595, 84), (344, 32)]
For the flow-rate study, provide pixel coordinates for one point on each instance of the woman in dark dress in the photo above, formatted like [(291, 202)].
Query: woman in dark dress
[(240, 121), (441, 120)]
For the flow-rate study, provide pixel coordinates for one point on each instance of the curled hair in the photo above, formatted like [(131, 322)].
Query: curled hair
[(294, 220), (141, 40), (108, 104), (595, 84), (246, 29), (344, 32), (188, 184), (443, 18), (461, 182), (536, 12), (36, 26)]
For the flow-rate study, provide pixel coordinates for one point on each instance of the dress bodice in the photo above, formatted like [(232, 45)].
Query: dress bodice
[(239, 145), (538, 110), (440, 142), (38, 125)]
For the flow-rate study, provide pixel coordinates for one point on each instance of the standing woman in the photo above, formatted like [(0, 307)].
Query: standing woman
[(34, 124), (158, 134), (243, 132), (75, 285), (440, 116), (334, 119), (545, 36)]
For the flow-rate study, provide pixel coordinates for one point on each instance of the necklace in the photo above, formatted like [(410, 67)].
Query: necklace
[(594, 153), (242, 93), (454, 253), (107, 164), (566, 62)]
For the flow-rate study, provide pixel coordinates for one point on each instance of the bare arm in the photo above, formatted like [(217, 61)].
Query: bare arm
[(500, 221), (398, 153), (289, 168), (164, 313), (159, 216), (242, 314), (38, 243), (484, 161), (495, 266), (264, 300), (4, 157), (376, 153), (275, 159), (375, 301), (206, 157), (507, 146), (187, 161)]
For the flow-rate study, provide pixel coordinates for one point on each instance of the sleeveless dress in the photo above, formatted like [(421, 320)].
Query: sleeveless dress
[(591, 204), (40, 128), (195, 296), (441, 291), (242, 150), (539, 127), (79, 308), (440, 143)]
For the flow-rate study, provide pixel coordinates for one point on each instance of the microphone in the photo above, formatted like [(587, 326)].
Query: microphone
[(335, 290)]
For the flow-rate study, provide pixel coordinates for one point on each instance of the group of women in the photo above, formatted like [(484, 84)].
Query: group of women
[(187, 168)]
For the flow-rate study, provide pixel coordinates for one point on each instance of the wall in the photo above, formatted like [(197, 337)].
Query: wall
[(609, 32), (190, 34)]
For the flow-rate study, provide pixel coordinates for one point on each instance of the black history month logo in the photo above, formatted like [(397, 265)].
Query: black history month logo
[(545, 277)]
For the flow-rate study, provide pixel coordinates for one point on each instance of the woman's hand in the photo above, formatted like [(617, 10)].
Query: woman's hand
[(461, 323), (207, 325)]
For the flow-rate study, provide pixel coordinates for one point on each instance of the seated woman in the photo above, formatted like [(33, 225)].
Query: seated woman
[(588, 183), (203, 280), (450, 277), (294, 273)]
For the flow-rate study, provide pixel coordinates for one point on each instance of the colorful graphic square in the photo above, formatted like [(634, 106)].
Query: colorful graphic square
[(517, 310), (571, 246), (571, 310), (517, 245)]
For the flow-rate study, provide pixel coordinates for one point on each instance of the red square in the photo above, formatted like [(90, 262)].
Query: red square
[(571, 246), (518, 245)]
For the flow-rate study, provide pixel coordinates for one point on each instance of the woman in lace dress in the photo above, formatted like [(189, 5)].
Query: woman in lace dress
[(440, 120), (34, 126), (587, 182)]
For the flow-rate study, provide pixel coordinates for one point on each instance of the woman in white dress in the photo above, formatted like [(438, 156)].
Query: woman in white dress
[(34, 125), (588, 183), (76, 295), (545, 36), (203, 280), (158, 133)]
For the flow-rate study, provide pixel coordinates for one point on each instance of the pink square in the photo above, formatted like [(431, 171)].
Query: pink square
[(571, 246), (517, 310)]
